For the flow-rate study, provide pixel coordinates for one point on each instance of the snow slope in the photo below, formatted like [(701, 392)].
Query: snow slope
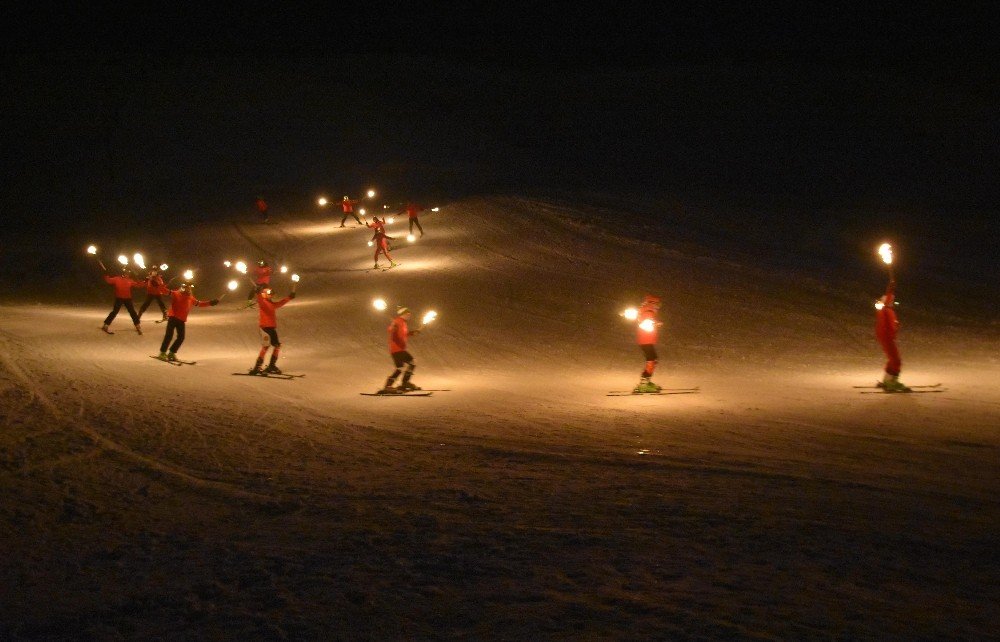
[(776, 501)]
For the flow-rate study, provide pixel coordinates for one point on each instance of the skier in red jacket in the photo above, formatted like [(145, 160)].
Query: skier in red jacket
[(412, 211), (381, 241), (123, 285), (268, 331), (262, 209), (646, 334), (348, 206), (181, 302), (886, 327), (399, 333), (261, 279), (155, 289)]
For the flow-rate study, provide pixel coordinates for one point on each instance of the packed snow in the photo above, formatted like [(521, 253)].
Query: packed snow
[(763, 497)]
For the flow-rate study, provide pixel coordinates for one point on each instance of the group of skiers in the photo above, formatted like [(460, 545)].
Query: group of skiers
[(380, 239)]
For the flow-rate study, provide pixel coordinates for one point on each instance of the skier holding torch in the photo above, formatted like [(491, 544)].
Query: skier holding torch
[(381, 241), (261, 279), (399, 333), (181, 302), (886, 327), (347, 205), (412, 212), (646, 334), (155, 289), (268, 323), (123, 285)]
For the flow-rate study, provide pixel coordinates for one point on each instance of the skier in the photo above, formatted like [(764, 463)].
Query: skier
[(181, 302), (262, 209), (646, 334), (261, 279), (381, 240), (123, 285), (412, 210), (398, 335), (268, 331), (155, 289), (886, 326), (348, 207)]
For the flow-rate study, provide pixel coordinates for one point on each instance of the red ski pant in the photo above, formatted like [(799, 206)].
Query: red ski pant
[(894, 363), (382, 248)]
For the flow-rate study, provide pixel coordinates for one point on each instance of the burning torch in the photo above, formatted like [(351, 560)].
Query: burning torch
[(295, 282), (428, 317), (885, 251), (92, 250), (231, 287)]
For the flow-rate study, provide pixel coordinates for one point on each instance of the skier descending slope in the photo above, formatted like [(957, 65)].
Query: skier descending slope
[(123, 285), (155, 289), (646, 335), (181, 302), (380, 239), (886, 327), (269, 331), (399, 333)]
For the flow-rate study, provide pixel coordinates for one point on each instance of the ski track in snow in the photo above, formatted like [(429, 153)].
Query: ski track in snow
[(776, 502)]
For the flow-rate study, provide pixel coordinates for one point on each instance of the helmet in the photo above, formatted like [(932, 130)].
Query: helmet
[(402, 310)]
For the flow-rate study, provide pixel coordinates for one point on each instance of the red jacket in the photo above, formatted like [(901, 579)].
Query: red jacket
[(412, 209), (348, 205), (261, 205), (266, 308), (155, 285), (181, 302), (123, 285), (262, 274), (886, 323), (398, 333), (646, 337)]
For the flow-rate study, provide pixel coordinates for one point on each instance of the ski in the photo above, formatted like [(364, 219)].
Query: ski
[(269, 376), (881, 385), (662, 391), (382, 269), (418, 393), (160, 321), (175, 362), (901, 392)]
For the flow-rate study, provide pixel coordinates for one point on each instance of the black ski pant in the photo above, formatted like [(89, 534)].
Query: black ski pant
[(401, 360), (416, 221), (173, 323), (149, 299), (346, 214), (118, 306)]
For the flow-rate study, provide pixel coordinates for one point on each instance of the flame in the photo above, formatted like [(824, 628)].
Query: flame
[(361, 211), (879, 305), (430, 316), (371, 243), (885, 251), (435, 209), (241, 267), (284, 269), (228, 263), (379, 304), (92, 249), (163, 266), (322, 201), (647, 325), (371, 193), (631, 314), (188, 274), (232, 285), (295, 278), (390, 220), (123, 259), (139, 260)]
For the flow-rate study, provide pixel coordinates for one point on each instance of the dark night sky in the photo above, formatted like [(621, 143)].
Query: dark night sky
[(804, 103)]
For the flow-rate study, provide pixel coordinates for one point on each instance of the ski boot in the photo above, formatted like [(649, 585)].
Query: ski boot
[(393, 264), (257, 368), (138, 329), (406, 386), (107, 329), (272, 369), (891, 383), (163, 320), (162, 356), (376, 267), (171, 356), (646, 386)]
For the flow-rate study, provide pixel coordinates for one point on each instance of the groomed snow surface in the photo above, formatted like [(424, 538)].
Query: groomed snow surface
[(145, 501)]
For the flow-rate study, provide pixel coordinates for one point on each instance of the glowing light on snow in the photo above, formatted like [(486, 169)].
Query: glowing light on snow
[(188, 274), (631, 314), (241, 267), (139, 260), (284, 269), (430, 316), (322, 201), (435, 209), (411, 238), (295, 278), (647, 325), (371, 193), (123, 259), (885, 251), (232, 285), (379, 304), (92, 249)]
